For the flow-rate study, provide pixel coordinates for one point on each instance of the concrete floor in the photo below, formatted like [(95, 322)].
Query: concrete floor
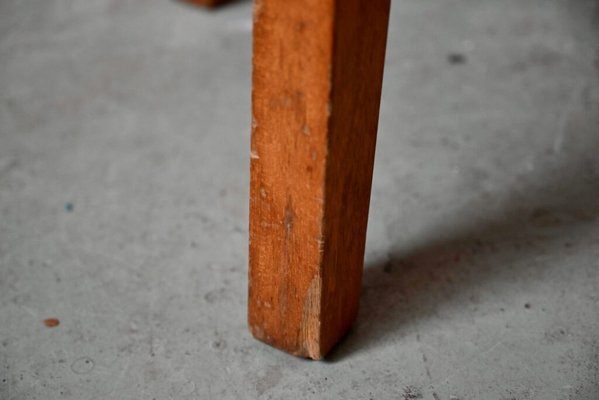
[(124, 153)]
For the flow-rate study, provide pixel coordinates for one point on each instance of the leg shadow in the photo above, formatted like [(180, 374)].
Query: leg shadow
[(558, 206)]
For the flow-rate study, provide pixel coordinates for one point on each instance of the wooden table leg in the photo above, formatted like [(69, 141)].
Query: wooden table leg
[(318, 68)]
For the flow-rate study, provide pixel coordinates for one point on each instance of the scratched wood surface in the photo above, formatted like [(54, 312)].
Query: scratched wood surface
[(317, 76)]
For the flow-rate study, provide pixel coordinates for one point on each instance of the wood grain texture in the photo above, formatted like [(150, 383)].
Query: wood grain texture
[(317, 76)]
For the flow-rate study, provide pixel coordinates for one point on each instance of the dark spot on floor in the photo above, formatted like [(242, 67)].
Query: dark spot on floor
[(83, 365), (69, 207), (219, 344), (527, 305), (411, 392), (51, 322), (456, 58)]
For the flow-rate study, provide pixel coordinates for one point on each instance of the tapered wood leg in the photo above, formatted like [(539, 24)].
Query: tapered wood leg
[(317, 75)]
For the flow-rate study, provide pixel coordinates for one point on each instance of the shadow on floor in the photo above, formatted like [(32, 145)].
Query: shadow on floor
[(542, 217)]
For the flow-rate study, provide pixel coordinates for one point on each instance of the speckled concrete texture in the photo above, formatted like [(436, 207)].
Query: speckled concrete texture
[(124, 155)]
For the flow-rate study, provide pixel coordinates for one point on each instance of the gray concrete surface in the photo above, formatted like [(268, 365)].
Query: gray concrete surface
[(124, 139)]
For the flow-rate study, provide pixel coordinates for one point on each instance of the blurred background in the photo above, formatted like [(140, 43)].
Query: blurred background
[(124, 169)]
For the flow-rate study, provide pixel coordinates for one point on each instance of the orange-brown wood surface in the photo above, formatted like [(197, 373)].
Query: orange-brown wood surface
[(317, 75)]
